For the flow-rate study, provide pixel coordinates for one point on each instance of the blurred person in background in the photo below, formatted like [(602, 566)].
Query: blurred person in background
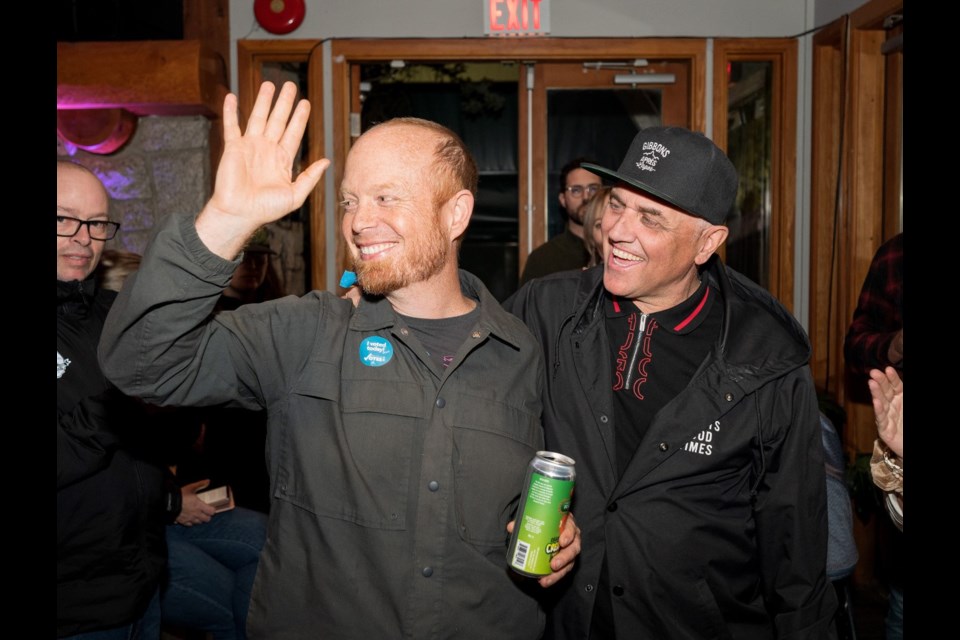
[(592, 217), (566, 250), (256, 279), (212, 554)]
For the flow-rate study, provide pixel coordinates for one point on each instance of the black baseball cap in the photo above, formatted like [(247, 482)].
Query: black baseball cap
[(681, 167)]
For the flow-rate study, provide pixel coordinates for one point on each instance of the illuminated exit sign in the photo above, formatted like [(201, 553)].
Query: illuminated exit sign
[(516, 17)]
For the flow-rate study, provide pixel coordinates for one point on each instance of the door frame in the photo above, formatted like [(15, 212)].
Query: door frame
[(556, 74), (251, 55), (782, 54), (348, 52)]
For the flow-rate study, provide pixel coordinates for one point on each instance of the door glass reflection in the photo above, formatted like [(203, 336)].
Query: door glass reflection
[(290, 236), (478, 101), (592, 123), (749, 137)]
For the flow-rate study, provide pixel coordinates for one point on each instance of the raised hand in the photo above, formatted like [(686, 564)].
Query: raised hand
[(254, 182)]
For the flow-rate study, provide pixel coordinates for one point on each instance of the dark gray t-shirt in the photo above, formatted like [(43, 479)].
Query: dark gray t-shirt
[(442, 337)]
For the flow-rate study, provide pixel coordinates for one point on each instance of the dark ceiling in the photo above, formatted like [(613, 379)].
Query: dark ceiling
[(115, 20)]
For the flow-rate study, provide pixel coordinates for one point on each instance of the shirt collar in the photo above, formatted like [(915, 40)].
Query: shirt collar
[(77, 290), (681, 319), (375, 313)]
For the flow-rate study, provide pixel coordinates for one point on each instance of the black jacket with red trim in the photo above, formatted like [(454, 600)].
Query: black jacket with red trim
[(721, 542)]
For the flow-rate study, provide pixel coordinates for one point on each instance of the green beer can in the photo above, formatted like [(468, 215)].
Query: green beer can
[(544, 505)]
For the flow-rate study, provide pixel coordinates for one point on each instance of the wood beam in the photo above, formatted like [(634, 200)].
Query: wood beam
[(208, 21), (160, 77)]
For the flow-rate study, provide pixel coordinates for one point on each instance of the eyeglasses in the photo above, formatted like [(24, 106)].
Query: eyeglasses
[(579, 189), (68, 227)]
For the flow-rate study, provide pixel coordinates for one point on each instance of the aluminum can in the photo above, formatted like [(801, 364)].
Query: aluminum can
[(544, 506)]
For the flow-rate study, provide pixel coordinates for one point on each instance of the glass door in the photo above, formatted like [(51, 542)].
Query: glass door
[(593, 109), (521, 106), (478, 101), (755, 88), (582, 109)]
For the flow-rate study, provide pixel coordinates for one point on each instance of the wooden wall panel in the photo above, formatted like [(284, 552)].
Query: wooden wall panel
[(827, 116)]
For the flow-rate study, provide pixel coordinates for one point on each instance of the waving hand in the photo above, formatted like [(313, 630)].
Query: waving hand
[(254, 182)]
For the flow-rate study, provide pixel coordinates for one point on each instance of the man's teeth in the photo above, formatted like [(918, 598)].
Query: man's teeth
[(623, 255), (374, 248)]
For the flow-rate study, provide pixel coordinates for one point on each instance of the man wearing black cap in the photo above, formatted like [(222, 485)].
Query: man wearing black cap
[(682, 391)]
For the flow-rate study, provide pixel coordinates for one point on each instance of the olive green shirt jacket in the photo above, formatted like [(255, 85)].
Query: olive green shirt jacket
[(391, 484)]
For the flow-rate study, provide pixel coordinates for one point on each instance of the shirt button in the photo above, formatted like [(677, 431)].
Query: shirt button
[(729, 397), (427, 572), (588, 588), (612, 507), (664, 446), (441, 403), (618, 590), (604, 418), (404, 331), (433, 485)]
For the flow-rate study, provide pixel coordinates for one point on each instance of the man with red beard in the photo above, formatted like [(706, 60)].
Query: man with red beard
[(399, 429), (682, 390)]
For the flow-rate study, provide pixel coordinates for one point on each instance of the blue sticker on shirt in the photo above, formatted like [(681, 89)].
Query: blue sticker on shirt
[(375, 352)]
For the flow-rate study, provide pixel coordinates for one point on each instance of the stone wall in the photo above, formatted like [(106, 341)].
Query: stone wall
[(164, 169)]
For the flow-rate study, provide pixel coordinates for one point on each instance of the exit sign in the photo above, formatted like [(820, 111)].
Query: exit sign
[(516, 17)]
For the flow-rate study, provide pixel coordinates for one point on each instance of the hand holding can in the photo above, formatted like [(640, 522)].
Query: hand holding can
[(544, 506)]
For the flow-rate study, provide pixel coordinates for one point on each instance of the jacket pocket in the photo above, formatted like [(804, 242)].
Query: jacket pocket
[(709, 619), (493, 443), (346, 447)]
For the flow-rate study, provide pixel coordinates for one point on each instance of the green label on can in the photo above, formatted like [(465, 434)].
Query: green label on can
[(538, 536)]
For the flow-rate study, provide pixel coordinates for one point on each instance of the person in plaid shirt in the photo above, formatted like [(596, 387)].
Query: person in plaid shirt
[(875, 337)]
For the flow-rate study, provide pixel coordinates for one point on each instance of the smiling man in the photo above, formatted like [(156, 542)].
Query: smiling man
[(110, 501), (399, 429), (83, 223), (683, 392)]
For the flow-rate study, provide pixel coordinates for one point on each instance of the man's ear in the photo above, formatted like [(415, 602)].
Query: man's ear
[(562, 199), (710, 240), (457, 213)]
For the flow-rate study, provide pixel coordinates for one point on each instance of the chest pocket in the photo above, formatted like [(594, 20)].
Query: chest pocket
[(493, 443), (346, 447)]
